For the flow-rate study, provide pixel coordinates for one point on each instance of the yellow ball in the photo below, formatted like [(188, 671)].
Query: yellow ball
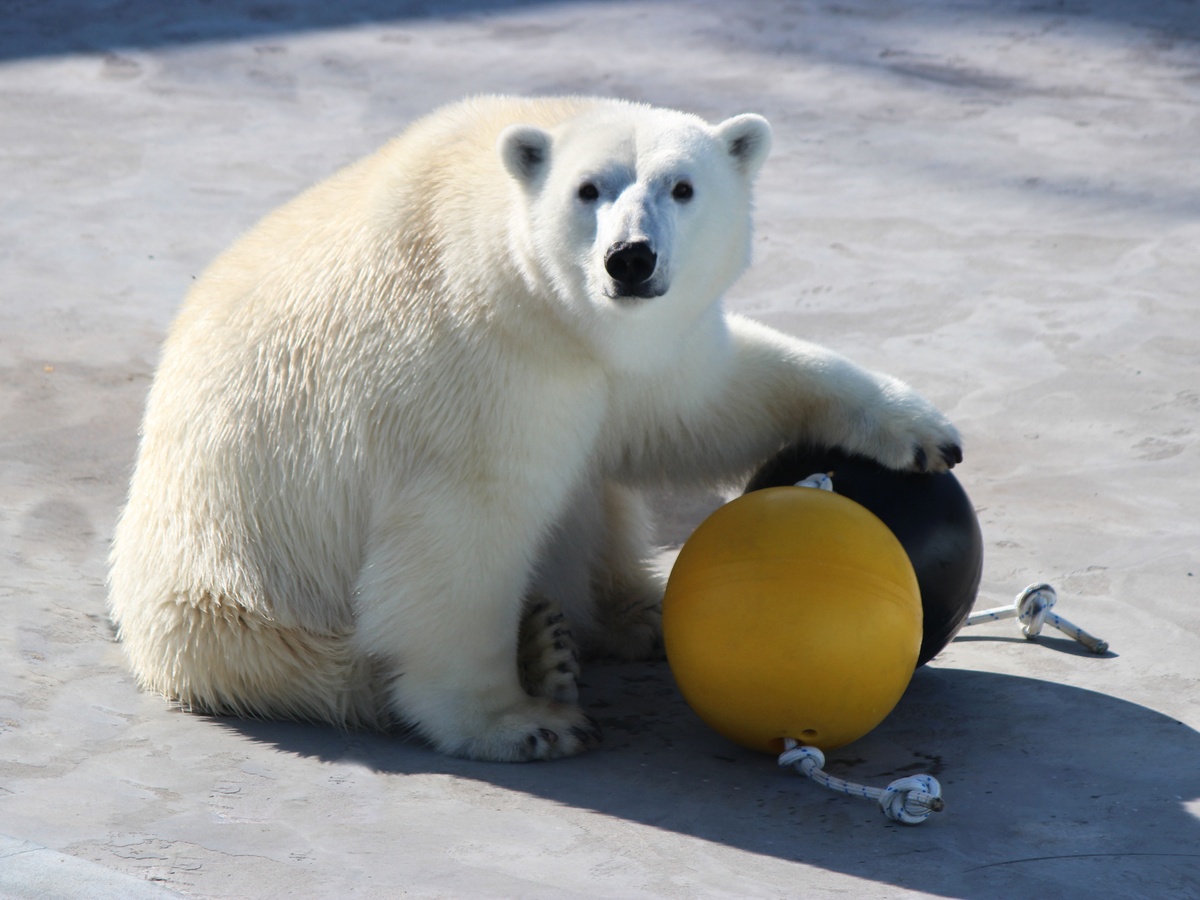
[(792, 612)]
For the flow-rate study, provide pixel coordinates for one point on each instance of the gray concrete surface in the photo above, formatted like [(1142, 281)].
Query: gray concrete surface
[(999, 201)]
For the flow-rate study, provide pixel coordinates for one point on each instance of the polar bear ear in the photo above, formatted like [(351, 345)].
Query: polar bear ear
[(747, 139), (525, 152)]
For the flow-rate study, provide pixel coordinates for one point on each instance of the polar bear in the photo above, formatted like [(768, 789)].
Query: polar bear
[(389, 468)]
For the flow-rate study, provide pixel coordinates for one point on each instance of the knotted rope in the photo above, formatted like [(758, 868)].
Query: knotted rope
[(909, 800), (1032, 609)]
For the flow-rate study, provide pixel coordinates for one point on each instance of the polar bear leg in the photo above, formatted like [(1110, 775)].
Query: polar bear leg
[(463, 692), (627, 589), (596, 567), (763, 390), (623, 612), (806, 392), (447, 629)]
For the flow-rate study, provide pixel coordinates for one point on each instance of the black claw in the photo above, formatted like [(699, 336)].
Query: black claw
[(922, 460), (548, 736), (951, 453), (591, 734), (583, 736)]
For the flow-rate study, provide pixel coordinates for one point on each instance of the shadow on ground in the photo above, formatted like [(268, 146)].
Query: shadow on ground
[(1060, 814)]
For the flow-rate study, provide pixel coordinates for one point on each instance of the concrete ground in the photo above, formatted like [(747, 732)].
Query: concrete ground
[(998, 201)]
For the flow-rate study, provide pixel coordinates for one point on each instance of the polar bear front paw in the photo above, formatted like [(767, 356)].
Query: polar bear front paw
[(538, 729), (907, 432), (547, 658), (948, 455)]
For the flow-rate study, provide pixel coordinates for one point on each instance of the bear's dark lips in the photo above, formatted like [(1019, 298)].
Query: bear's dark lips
[(631, 296)]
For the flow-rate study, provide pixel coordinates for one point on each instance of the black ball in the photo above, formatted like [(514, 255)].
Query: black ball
[(930, 514)]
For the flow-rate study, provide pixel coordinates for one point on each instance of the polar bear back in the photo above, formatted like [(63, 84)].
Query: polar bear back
[(305, 336)]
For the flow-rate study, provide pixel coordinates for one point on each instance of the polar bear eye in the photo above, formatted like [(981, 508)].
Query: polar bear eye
[(588, 192), (683, 191)]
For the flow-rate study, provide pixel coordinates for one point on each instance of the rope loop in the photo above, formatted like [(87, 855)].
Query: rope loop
[(818, 480), (1032, 609), (1033, 604), (802, 757), (909, 800)]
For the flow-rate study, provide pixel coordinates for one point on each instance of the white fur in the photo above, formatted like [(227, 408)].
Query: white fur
[(413, 397)]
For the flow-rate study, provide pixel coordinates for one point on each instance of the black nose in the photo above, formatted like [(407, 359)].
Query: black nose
[(630, 263)]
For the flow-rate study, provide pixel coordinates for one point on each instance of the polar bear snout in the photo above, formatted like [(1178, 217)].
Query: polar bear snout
[(631, 266), (630, 262)]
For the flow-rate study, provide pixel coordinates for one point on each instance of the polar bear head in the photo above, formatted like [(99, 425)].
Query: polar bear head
[(637, 218)]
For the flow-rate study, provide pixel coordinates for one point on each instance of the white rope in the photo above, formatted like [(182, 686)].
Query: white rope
[(819, 480), (909, 800), (1032, 609)]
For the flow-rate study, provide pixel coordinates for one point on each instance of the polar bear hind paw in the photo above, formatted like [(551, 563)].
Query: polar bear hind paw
[(635, 629)]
